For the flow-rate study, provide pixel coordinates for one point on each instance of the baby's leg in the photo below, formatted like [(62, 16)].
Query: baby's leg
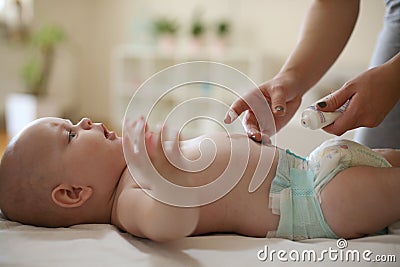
[(362, 200), (391, 155)]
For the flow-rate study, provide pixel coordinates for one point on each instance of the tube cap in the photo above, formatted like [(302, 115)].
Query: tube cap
[(306, 121)]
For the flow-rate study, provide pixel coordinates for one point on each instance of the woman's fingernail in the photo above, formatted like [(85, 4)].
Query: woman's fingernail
[(231, 116), (255, 139), (279, 108), (322, 104), (254, 134), (227, 119)]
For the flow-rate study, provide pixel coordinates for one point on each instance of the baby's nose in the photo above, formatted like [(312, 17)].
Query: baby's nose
[(86, 123)]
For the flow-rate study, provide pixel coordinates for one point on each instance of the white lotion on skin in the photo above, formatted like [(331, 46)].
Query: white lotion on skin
[(313, 119)]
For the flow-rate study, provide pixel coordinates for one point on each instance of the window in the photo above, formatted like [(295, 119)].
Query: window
[(2, 7), (15, 18), (15, 13)]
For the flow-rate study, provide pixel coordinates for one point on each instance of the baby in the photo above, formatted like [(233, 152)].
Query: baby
[(57, 174)]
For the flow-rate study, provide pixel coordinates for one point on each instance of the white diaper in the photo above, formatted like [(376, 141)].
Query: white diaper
[(335, 155), (296, 189)]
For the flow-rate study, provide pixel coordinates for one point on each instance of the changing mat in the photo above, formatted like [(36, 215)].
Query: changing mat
[(104, 245)]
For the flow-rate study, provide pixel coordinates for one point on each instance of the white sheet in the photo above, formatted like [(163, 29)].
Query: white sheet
[(103, 245)]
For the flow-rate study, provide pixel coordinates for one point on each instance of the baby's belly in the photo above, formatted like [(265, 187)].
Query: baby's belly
[(241, 211)]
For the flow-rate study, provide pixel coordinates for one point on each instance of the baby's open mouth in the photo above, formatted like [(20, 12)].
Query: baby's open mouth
[(108, 134), (105, 131)]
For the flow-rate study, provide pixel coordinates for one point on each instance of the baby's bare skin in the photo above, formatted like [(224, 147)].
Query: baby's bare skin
[(346, 200), (83, 176), (239, 211), (391, 155)]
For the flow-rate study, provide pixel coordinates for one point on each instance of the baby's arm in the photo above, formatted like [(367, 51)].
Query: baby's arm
[(143, 216), (138, 212)]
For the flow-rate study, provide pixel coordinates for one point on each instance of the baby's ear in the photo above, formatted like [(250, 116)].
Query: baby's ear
[(70, 196)]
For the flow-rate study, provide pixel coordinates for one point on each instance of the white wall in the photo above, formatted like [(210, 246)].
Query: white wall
[(94, 27)]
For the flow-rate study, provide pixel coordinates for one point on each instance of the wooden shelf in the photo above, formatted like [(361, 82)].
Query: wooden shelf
[(132, 65)]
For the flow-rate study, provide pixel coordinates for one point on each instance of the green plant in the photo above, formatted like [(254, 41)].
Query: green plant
[(37, 70), (223, 28), (32, 74), (165, 26), (197, 29)]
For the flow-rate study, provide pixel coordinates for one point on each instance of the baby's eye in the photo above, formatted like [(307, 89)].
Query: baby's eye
[(71, 134)]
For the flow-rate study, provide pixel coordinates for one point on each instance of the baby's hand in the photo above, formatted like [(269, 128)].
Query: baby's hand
[(163, 149), (149, 157), (138, 162)]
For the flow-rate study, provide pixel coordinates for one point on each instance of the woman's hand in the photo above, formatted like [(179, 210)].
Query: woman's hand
[(279, 95), (325, 32), (372, 95)]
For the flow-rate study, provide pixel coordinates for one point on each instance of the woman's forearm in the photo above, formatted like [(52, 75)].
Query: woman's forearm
[(325, 32), (393, 65)]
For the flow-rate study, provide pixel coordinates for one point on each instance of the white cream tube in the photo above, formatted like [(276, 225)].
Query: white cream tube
[(313, 119)]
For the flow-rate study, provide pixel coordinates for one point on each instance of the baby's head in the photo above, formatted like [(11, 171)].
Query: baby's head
[(54, 173)]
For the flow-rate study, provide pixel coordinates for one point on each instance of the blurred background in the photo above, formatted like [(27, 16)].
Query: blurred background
[(77, 58)]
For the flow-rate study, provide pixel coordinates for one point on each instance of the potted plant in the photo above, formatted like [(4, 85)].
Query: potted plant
[(223, 28), (165, 30), (222, 31), (197, 32), (37, 70), (197, 29), (35, 74)]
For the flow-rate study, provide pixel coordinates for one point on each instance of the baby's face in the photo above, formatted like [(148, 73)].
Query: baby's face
[(84, 153)]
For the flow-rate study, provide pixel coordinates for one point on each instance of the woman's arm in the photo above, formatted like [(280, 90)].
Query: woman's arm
[(325, 32)]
